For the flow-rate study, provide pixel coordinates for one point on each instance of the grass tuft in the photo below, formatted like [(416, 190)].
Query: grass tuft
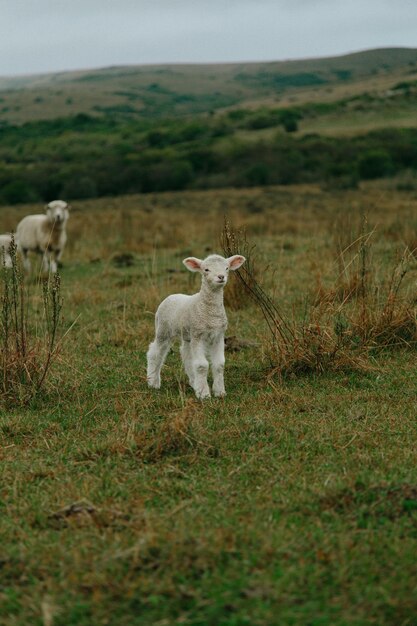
[(183, 433)]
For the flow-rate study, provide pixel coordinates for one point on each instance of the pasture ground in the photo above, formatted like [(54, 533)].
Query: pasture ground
[(290, 502)]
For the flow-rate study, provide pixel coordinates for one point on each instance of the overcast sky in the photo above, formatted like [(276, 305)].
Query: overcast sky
[(52, 35)]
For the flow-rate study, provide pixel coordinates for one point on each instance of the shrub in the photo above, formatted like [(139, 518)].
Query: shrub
[(157, 139), (375, 164), (257, 174), (289, 120), (237, 114), (82, 187), (263, 119), (18, 191), (167, 175)]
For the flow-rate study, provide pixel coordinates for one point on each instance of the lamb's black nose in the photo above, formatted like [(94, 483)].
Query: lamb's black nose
[(220, 276)]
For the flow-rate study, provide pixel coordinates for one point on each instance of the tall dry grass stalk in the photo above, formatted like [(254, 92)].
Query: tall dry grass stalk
[(235, 242), (340, 326), (380, 313), (28, 346), (384, 316), (292, 347)]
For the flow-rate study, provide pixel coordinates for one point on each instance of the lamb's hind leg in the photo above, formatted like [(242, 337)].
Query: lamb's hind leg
[(156, 356), (26, 260), (186, 359), (56, 261), (200, 367), (46, 263), (53, 264)]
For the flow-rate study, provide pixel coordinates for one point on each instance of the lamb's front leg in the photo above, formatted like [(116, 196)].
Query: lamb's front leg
[(199, 366), (217, 366)]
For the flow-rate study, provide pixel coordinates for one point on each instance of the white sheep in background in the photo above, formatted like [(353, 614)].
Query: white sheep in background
[(200, 322), (44, 234), (5, 241)]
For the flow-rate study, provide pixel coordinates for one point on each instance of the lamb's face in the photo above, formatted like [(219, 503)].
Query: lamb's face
[(214, 269), (57, 211)]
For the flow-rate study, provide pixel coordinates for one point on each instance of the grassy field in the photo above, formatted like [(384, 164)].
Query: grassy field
[(293, 501)]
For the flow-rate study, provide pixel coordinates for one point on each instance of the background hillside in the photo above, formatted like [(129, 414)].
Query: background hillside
[(154, 91), (124, 130)]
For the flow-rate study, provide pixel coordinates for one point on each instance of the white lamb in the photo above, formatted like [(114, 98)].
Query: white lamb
[(44, 234), (200, 322), (5, 241)]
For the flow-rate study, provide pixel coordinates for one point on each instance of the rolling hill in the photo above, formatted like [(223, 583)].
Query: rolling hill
[(181, 90), (122, 130)]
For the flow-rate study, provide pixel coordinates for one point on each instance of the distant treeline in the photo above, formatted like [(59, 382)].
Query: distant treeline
[(86, 157)]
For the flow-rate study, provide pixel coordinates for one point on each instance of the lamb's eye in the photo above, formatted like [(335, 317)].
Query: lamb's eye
[(206, 270)]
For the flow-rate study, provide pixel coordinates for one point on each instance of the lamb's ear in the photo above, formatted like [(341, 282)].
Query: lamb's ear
[(236, 261), (192, 264)]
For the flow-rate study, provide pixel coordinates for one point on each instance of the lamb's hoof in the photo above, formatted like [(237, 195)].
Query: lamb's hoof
[(203, 395), (219, 394), (154, 384)]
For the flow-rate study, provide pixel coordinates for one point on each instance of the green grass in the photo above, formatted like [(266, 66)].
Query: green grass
[(290, 502), (382, 115)]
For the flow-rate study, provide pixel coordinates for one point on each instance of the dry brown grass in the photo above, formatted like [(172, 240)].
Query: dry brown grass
[(342, 324), (380, 311)]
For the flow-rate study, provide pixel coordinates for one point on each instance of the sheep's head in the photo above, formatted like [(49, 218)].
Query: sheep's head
[(214, 269), (57, 211)]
